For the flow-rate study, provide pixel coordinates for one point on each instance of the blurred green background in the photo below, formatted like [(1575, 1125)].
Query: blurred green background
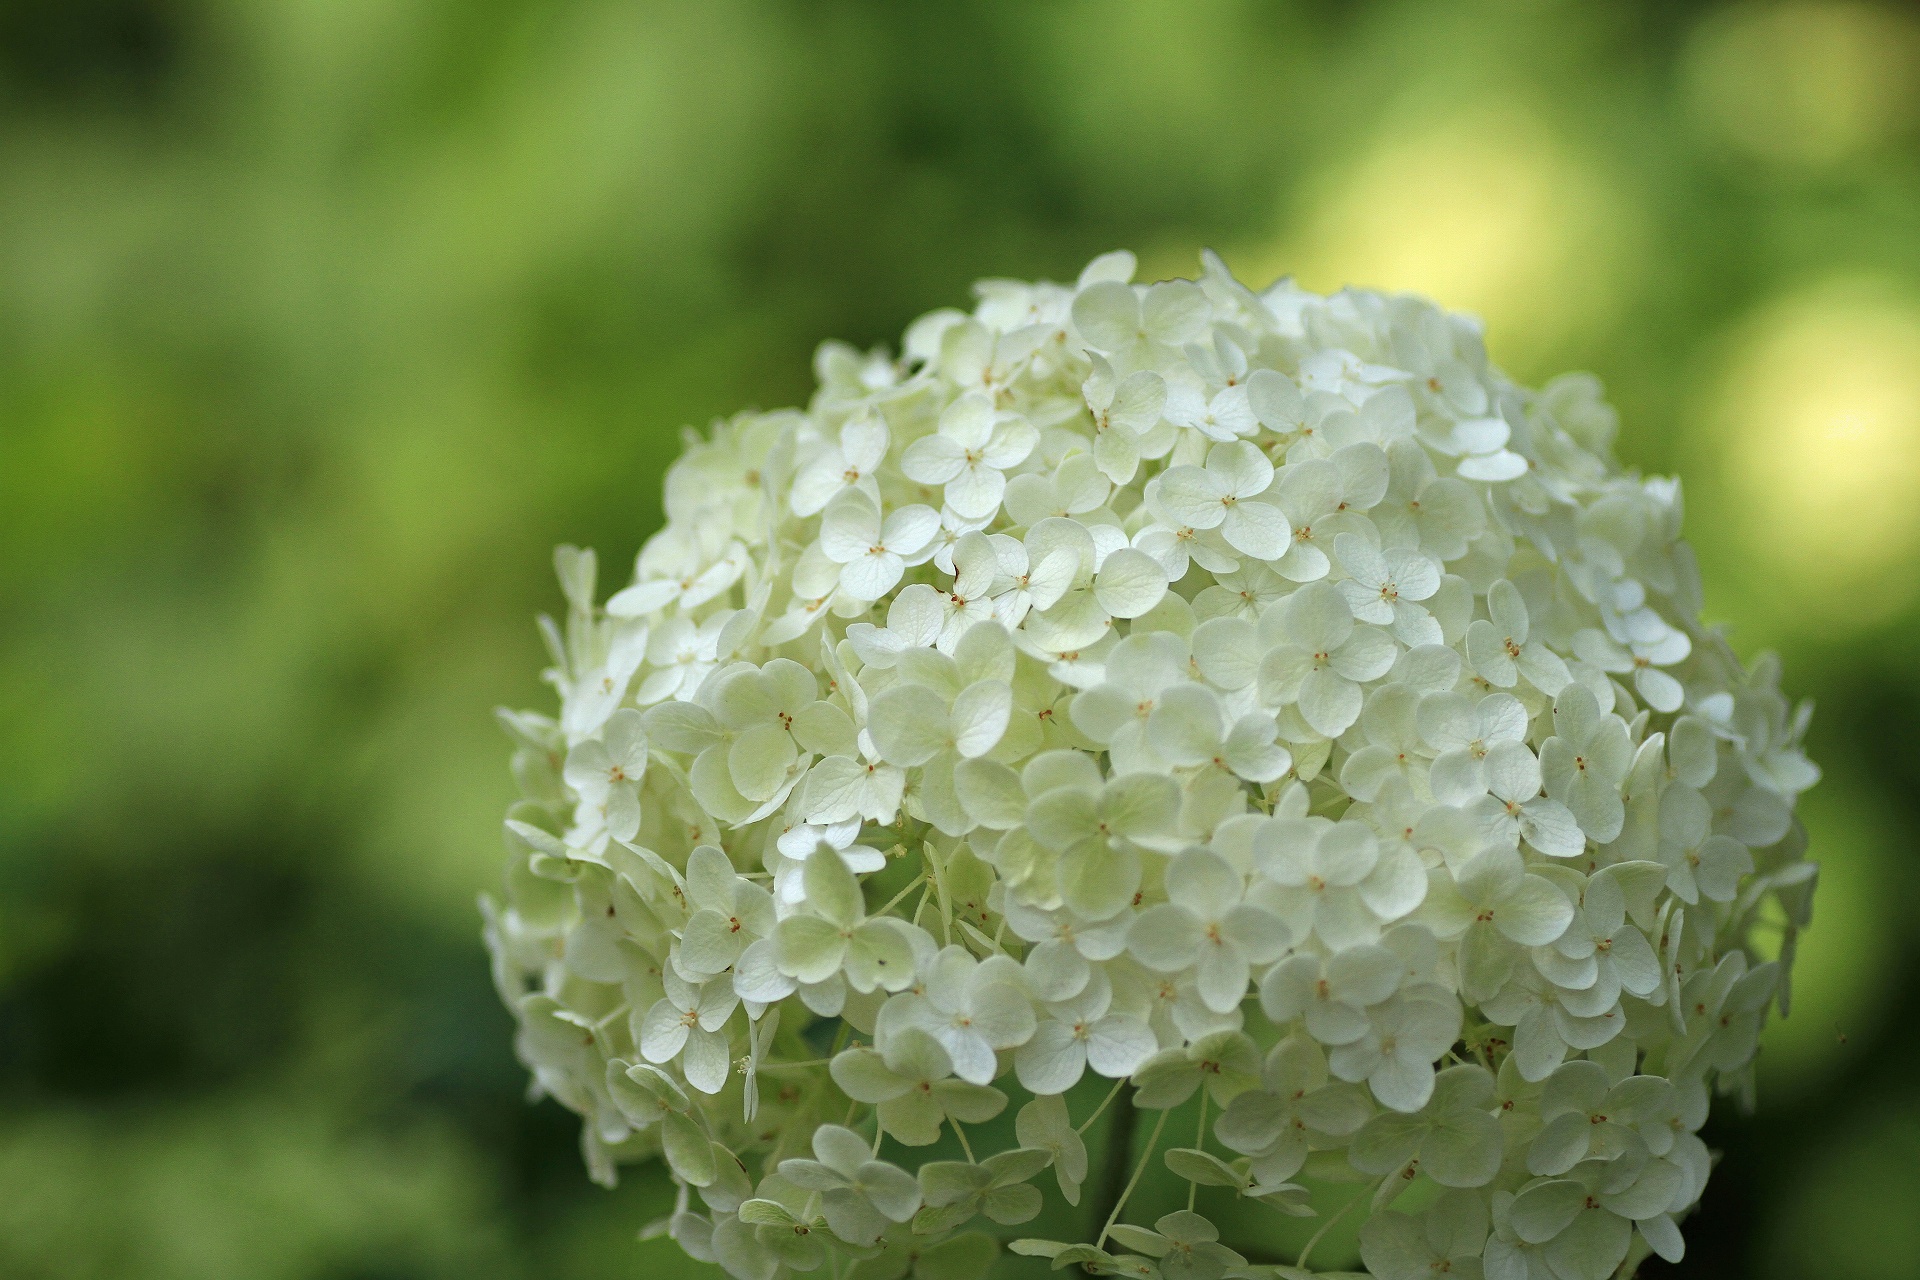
[(321, 320)]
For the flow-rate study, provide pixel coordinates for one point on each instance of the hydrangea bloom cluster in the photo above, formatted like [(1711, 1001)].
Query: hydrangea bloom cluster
[(1130, 692)]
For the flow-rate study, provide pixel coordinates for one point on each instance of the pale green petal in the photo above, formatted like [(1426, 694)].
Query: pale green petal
[(710, 942), (909, 724), (1165, 937), (1386, 1142), (1227, 652), (863, 1076), (1107, 315), (832, 890), (824, 729), (712, 782), (1100, 712), (878, 955), (980, 716), (970, 1103), (1097, 881), (990, 793), (1258, 529), (1330, 702), (1534, 913), (1129, 583), (1185, 727), (1140, 805), (1543, 1211), (1394, 1247), (893, 1191), (758, 760), (689, 1153), (810, 949), (1190, 496), (1063, 817), (1463, 1151), (682, 726), (1317, 618)]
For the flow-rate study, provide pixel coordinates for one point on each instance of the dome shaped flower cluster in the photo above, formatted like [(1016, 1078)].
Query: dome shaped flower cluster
[(1131, 692)]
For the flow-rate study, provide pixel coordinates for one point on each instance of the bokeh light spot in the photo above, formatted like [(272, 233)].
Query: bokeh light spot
[(1485, 211), (1818, 417), (1804, 84)]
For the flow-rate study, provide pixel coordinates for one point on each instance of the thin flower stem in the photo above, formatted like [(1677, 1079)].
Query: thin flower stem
[(790, 1066), (1200, 1143), (1307, 1248), (896, 899), (1112, 1093), (961, 1134), (1119, 1153), (940, 886), (1153, 1141)]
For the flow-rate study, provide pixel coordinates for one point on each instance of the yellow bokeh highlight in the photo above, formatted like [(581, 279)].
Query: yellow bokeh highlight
[(1805, 84), (1485, 211), (1818, 432)]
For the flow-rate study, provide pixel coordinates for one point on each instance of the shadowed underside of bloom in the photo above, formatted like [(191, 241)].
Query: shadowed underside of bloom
[(1123, 678)]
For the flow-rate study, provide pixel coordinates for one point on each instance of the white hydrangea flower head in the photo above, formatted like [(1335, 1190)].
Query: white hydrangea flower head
[(1136, 696)]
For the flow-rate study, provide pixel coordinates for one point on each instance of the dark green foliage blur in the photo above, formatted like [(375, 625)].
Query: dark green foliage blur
[(322, 320)]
